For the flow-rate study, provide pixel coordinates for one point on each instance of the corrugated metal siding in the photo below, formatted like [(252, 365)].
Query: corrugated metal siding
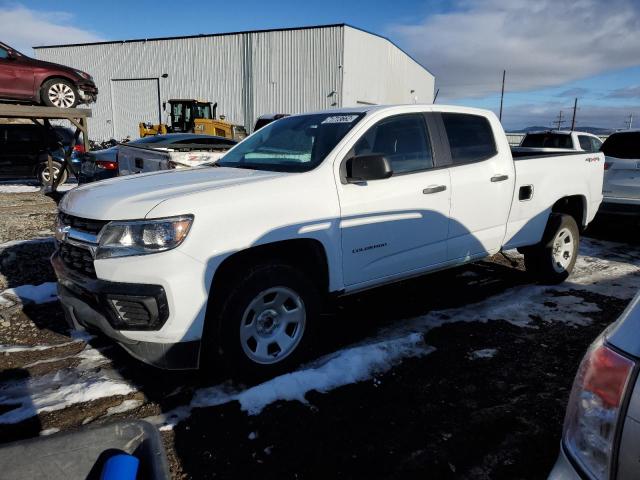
[(250, 74), (378, 72), (133, 101)]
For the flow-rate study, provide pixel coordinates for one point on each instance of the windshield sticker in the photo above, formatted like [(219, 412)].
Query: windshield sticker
[(340, 119)]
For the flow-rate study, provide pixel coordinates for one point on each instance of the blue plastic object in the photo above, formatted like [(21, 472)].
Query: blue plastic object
[(120, 467)]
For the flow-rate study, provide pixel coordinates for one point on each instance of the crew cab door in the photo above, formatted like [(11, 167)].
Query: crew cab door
[(16, 76), (482, 183), (398, 224)]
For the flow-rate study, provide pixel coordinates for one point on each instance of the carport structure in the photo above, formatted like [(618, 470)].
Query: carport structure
[(43, 116)]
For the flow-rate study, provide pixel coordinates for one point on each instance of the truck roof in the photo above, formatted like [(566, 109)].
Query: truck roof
[(406, 107)]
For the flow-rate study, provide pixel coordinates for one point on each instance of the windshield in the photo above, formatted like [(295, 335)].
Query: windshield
[(622, 145), (292, 144), (547, 140)]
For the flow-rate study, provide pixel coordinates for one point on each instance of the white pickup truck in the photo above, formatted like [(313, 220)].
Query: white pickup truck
[(237, 258)]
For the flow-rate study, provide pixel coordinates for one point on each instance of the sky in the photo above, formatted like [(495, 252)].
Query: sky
[(553, 51)]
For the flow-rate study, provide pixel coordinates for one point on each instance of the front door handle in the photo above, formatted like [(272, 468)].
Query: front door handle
[(499, 178), (434, 189)]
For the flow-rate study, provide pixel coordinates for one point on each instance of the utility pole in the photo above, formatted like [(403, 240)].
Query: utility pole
[(559, 121), (504, 73), (436, 95), (630, 121), (573, 120)]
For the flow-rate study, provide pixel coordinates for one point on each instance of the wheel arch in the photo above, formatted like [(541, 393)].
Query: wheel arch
[(573, 205), (308, 254)]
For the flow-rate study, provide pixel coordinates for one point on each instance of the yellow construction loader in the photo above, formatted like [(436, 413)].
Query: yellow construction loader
[(193, 116)]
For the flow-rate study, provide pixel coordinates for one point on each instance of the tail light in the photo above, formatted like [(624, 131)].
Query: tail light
[(607, 165), (105, 165), (79, 148), (594, 408)]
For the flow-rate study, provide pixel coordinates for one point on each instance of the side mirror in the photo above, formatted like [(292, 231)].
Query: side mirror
[(164, 106), (368, 167)]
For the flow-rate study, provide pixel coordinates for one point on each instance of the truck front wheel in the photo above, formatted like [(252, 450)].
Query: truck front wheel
[(553, 259), (267, 320)]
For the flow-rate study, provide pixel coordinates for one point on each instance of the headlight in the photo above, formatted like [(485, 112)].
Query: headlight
[(83, 74), (141, 237), (594, 408)]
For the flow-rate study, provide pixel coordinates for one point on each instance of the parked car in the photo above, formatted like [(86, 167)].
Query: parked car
[(23, 151), (26, 79), (147, 153), (601, 437), (559, 141), (237, 259), (171, 151), (622, 174)]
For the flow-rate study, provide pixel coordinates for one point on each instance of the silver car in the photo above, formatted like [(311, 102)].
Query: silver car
[(601, 437), (621, 188)]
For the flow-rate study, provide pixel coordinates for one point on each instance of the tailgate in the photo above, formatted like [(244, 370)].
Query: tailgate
[(137, 160), (622, 178)]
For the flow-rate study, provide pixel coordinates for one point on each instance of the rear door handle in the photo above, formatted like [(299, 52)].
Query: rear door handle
[(499, 178), (434, 189)]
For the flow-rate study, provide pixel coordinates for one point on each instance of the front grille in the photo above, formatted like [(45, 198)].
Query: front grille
[(83, 224), (77, 259)]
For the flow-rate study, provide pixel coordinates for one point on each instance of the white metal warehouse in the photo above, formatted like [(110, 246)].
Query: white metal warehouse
[(247, 73)]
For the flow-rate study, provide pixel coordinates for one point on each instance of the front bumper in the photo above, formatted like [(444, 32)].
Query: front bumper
[(98, 305), (88, 92)]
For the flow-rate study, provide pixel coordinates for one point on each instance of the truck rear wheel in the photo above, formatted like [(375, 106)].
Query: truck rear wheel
[(553, 259), (267, 320)]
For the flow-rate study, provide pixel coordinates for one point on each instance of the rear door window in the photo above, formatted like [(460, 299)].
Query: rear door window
[(547, 140), (402, 140), (622, 145), (585, 143), (470, 137)]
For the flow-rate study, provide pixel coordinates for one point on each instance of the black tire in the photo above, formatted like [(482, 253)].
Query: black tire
[(234, 307), (43, 169), (541, 260), (59, 93)]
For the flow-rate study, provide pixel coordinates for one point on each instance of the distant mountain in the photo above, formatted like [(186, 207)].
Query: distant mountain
[(594, 130)]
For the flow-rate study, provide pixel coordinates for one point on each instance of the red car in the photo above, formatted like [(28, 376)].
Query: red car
[(26, 79)]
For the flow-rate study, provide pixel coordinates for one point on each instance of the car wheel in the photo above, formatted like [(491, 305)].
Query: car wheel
[(553, 259), (267, 321), (59, 93), (44, 175)]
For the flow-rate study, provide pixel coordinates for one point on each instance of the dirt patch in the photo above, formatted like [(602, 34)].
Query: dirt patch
[(26, 215)]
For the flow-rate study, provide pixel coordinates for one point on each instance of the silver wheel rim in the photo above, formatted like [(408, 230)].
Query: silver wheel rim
[(45, 174), (61, 95), (272, 325), (562, 250)]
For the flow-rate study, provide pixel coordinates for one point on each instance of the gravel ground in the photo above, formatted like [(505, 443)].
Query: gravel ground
[(482, 394)]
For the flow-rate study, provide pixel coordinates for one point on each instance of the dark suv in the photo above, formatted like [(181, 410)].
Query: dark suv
[(26, 79), (23, 151)]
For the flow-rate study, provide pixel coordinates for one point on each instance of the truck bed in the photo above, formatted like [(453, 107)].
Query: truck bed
[(150, 158)]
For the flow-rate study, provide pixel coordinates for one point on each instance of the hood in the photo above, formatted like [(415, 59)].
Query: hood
[(134, 196)]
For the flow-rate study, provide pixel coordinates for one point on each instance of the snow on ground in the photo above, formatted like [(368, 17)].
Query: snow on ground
[(23, 188), (351, 365), (43, 293), (484, 353), (61, 389), (125, 406)]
